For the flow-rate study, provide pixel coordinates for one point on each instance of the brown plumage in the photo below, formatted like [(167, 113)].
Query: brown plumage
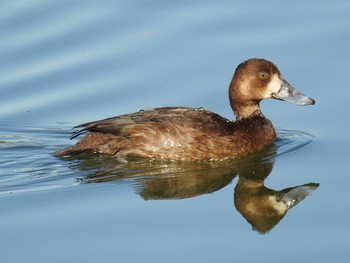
[(181, 133)]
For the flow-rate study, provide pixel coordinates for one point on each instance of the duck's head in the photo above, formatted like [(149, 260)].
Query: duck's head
[(258, 79)]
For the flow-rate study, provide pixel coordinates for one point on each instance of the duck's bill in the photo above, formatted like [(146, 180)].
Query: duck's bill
[(289, 94), (292, 196)]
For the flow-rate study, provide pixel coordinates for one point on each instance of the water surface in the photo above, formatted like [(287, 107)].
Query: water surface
[(63, 63)]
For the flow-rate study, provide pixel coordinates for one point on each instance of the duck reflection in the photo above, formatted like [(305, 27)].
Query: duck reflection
[(159, 180), (262, 207)]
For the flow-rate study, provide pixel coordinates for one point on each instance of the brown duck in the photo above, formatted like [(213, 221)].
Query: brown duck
[(181, 133)]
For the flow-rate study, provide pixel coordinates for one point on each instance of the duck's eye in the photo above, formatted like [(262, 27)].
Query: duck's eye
[(263, 75)]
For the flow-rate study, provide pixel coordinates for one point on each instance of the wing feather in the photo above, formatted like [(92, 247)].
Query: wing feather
[(121, 125)]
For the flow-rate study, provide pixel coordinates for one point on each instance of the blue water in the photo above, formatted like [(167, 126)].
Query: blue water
[(63, 63)]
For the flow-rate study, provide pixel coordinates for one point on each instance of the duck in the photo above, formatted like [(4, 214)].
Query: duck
[(194, 134)]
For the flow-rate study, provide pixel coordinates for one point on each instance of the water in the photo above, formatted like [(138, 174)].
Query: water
[(63, 63)]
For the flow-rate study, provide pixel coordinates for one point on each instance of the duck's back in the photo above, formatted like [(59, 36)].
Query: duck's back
[(173, 133)]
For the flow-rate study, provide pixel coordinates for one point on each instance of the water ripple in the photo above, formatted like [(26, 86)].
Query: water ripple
[(292, 141)]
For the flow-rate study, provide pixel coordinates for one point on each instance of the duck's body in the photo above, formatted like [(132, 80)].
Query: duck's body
[(181, 133), (174, 133)]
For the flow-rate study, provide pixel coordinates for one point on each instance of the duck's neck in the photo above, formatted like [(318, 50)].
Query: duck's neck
[(246, 111)]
